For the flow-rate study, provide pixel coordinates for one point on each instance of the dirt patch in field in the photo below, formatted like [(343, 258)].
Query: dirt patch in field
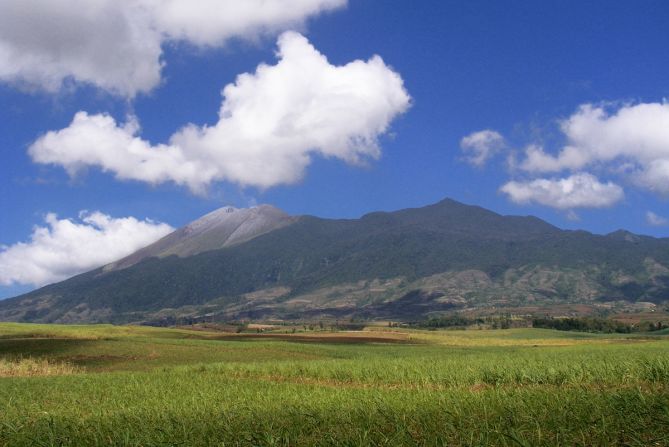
[(344, 338)]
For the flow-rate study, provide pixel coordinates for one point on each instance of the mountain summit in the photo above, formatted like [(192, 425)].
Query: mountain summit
[(221, 228), (262, 263)]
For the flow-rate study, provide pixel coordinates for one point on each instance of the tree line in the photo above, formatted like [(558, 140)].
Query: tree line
[(596, 325)]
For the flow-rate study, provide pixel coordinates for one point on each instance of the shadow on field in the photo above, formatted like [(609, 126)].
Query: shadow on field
[(41, 347), (88, 354)]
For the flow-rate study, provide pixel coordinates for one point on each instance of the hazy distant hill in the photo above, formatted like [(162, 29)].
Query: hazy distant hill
[(260, 263)]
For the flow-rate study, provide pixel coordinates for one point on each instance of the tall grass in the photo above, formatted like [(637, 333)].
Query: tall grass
[(28, 367), (191, 408), (433, 367), (160, 387)]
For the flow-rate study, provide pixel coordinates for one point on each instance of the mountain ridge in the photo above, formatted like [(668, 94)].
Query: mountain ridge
[(309, 266)]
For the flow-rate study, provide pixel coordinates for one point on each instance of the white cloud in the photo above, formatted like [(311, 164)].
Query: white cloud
[(270, 124), (96, 140), (212, 22), (581, 190), (64, 247), (655, 220), (653, 176), (573, 216), (634, 136), (107, 43), (480, 146), (116, 44), (537, 160)]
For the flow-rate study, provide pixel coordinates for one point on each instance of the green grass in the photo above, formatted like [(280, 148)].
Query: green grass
[(145, 386)]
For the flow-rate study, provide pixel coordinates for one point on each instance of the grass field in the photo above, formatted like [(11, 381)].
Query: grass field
[(139, 386)]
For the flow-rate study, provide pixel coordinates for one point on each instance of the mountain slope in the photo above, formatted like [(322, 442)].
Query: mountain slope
[(369, 266)]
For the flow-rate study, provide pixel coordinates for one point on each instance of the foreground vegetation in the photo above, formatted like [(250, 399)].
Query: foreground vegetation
[(148, 386)]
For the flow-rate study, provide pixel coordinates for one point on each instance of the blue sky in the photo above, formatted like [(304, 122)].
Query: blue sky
[(564, 104)]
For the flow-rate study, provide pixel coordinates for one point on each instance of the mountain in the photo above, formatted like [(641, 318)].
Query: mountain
[(261, 263)]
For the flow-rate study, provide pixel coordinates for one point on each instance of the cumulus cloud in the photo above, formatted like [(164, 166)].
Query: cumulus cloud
[(212, 22), (270, 124), (116, 45), (480, 146), (655, 220), (65, 247), (581, 190), (97, 140), (632, 140)]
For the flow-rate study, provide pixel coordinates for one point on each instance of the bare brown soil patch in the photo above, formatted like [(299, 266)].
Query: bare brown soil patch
[(336, 337)]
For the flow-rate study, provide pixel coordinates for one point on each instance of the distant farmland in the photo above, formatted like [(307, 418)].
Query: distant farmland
[(138, 386)]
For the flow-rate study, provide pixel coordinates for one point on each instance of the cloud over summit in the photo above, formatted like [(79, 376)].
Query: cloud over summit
[(480, 146), (655, 220), (581, 190)]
